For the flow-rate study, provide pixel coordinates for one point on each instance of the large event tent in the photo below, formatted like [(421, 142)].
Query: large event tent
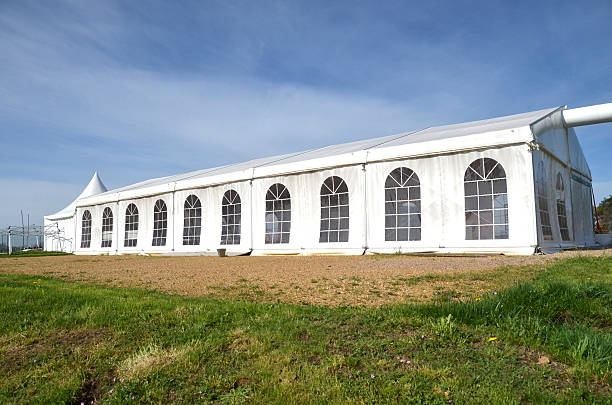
[(512, 185)]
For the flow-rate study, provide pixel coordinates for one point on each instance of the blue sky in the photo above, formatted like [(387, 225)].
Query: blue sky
[(137, 90)]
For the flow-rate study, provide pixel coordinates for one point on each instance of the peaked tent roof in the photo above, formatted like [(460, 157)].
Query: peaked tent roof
[(489, 132), (94, 187)]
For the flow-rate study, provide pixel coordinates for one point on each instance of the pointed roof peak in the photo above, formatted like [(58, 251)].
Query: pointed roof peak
[(95, 186)]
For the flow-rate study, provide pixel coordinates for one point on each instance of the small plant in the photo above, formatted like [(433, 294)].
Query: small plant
[(445, 328)]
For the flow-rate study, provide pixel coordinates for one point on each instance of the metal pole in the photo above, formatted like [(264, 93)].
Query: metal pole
[(22, 231), (10, 246), (28, 237)]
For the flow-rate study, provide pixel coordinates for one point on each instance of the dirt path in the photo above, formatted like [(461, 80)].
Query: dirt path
[(321, 280)]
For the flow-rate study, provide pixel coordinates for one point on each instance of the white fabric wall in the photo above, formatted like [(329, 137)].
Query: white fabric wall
[(210, 237), (443, 207), (552, 167), (561, 152), (583, 211), (306, 213), (64, 240)]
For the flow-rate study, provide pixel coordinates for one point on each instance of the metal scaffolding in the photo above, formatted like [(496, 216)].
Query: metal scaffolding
[(33, 237)]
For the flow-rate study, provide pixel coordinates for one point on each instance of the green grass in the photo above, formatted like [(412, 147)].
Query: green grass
[(66, 343), (32, 253)]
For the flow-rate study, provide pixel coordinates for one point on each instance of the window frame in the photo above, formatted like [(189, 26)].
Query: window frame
[(486, 203), (160, 223), (402, 206), (277, 217), (131, 226), (192, 220), (543, 200), (86, 225), (564, 231), (107, 228), (334, 203), (231, 218)]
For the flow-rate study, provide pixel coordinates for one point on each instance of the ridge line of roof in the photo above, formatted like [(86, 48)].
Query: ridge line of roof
[(398, 137)]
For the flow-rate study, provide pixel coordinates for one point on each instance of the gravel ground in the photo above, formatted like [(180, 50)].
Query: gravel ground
[(320, 280)]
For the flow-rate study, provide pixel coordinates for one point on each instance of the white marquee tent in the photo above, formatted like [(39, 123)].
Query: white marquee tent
[(511, 185)]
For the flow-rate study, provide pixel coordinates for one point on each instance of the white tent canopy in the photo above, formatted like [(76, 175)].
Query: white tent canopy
[(512, 185), (95, 186), (60, 228)]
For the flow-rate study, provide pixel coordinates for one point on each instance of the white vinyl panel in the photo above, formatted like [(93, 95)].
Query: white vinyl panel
[(147, 221), (260, 189), (142, 231), (428, 172), (206, 242), (214, 217), (516, 161), (353, 177)]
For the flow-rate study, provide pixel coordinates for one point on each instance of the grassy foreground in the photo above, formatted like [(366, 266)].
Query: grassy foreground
[(68, 343), (31, 253)]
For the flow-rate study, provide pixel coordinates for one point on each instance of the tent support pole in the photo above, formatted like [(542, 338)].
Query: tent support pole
[(365, 206)]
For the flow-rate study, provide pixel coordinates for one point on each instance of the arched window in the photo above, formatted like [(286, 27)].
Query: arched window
[(542, 196), (192, 221), (131, 226), (561, 213), (86, 230), (230, 218), (160, 223), (334, 211), (107, 227), (402, 205), (278, 214), (486, 201)]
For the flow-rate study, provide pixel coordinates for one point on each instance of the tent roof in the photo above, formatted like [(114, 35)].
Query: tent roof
[(94, 187), (491, 132)]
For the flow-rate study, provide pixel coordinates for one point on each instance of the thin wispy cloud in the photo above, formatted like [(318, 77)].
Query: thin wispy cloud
[(144, 90)]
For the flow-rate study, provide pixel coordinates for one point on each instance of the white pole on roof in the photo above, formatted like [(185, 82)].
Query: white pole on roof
[(594, 114)]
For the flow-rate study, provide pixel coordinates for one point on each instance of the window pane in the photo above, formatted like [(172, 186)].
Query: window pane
[(500, 201), (470, 188), (501, 232), (415, 220), (390, 208), (471, 232), (471, 218), (486, 232), (501, 216), (344, 211), (485, 203), (499, 186), (402, 234), (402, 193), (486, 217), (471, 203), (484, 187)]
